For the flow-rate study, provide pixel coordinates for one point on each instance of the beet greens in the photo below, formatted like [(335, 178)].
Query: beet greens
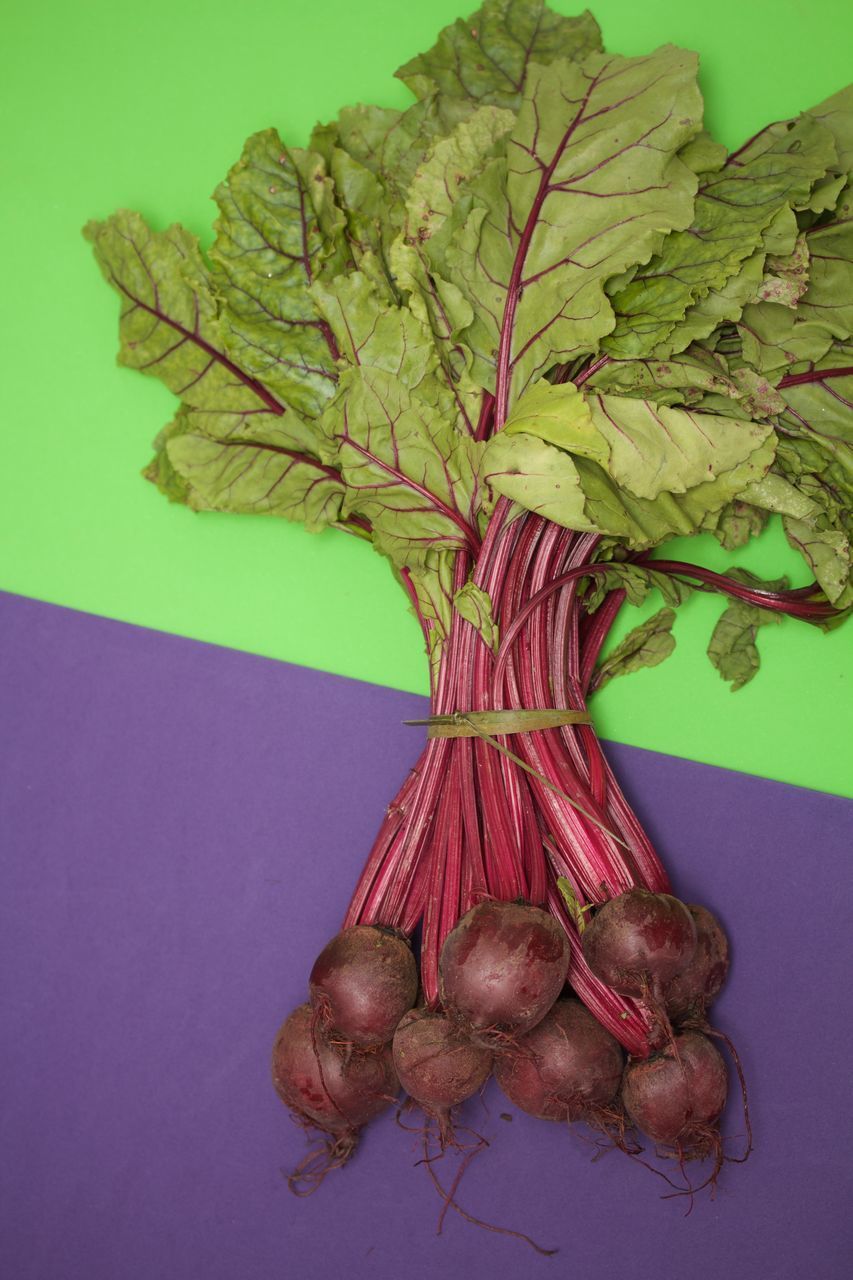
[(516, 337)]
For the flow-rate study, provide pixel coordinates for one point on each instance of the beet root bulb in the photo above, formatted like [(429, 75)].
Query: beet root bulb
[(693, 990), (502, 967), (567, 1068), (326, 1088), (437, 1065), (639, 941), (362, 983), (677, 1096)]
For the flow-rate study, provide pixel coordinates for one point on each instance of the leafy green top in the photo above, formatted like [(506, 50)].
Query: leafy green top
[(541, 281)]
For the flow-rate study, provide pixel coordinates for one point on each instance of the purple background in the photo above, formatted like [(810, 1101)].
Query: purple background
[(181, 826)]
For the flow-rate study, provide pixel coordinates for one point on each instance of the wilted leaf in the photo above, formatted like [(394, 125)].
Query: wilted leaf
[(646, 646)]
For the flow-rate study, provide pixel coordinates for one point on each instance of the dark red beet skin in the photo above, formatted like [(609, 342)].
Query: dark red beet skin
[(692, 991), (502, 967), (362, 983), (436, 1064), (677, 1096), (563, 1069), (334, 1090), (638, 942)]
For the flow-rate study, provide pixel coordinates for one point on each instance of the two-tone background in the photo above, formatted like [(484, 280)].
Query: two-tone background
[(201, 723)]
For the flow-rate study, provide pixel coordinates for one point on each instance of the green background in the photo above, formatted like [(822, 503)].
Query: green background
[(147, 107)]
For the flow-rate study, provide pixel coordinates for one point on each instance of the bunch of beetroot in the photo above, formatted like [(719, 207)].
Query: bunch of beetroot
[(505, 1009)]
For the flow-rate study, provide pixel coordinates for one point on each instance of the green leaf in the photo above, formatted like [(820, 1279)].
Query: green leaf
[(775, 337), (622, 466), (451, 163), (732, 648), (430, 580), (682, 379), (646, 646), (371, 334), (786, 277), (827, 552), (836, 114), (405, 468), (758, 397), (255, 465), (475, 606), (636, 581), (646, 449), (278, 229), (736, 523), (486, 57), (441, 314), (591, 184), (170, 326), (373, 154), (734, 207)]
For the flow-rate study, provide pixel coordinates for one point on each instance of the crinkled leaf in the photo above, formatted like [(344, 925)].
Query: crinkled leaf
[(277, 230), (486, 56), (644, 523), (836, 114), (264, 469), (786, 277), (647, 449), (811, 484), (646, 646), (622, 466), (405, 468), (716, 307), (736, 523), (430, 579), (732, 647), (439, 313), (170, 326), (682, 379), (451, 163), (758, 397), (827, 552), (734, 206), (636, 581), (475, 606), (231, 446), (591, 184), (162, 473), (703, 154), (373, 154), (775, 337), (371, 334)]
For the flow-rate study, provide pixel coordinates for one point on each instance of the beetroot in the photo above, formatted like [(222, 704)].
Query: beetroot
[(565, 1068), (362, 983), (638, 942), (677, 1096), (690, 993), (502, 967), (332, 1090), (436, 1064)]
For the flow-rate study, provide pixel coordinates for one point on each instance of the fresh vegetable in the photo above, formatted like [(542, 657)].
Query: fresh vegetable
[(567, 1068), (516, 337), (639, 942), (330, 1091), (438, 1065), (695, 988), (502, 967), (362, 983), (677, 1096)]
